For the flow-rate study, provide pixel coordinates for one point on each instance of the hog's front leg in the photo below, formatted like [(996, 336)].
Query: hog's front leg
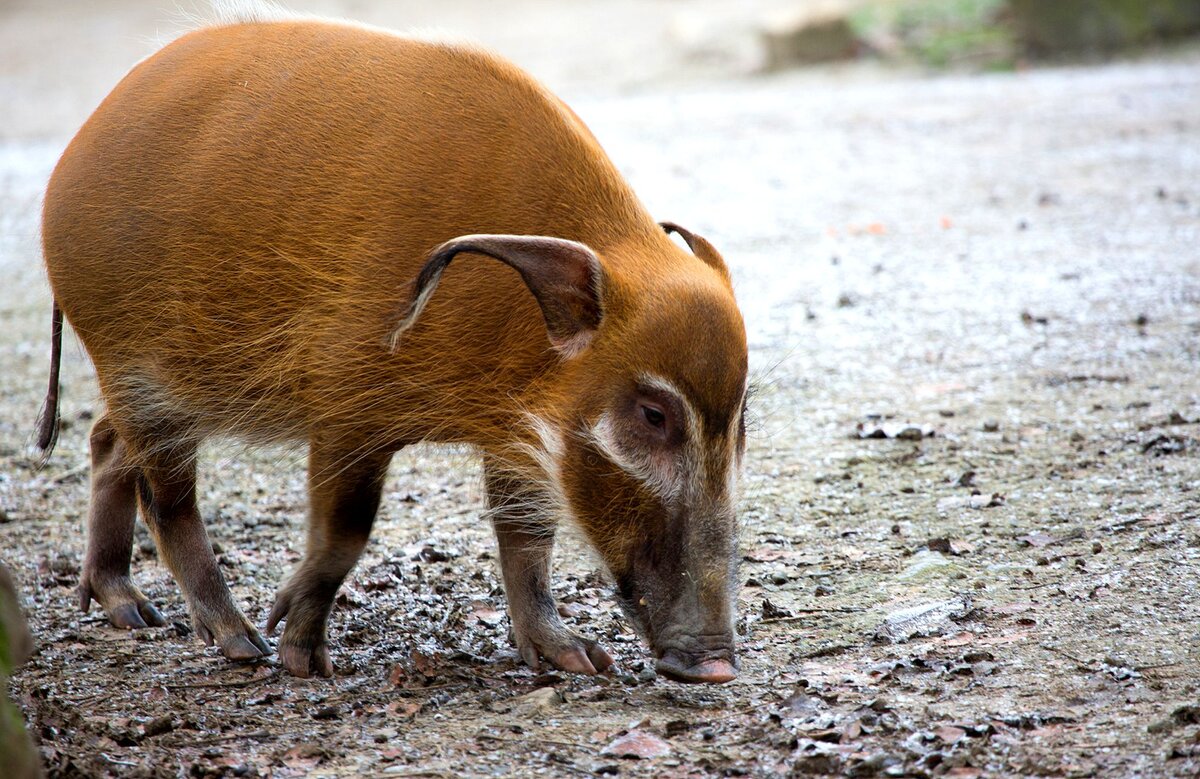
[(526, 539), (344, 489)]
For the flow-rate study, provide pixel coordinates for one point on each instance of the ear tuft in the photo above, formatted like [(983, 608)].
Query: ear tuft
[(699, 246)]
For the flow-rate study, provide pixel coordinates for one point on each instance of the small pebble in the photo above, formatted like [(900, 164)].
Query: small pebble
[(158, 726), (326, 713), (540, 701)]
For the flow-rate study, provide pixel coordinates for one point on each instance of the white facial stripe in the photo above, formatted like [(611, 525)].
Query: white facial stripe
[(688, 468), (659, 478), (662, 385), (691, 464), (669, 477), (733, 470)]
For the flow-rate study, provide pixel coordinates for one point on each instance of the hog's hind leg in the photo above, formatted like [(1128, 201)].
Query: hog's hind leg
[(344, 490), (526, 539), (166, 490), (111, 516)]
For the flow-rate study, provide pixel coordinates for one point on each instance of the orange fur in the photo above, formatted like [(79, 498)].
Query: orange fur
[(234, 234), (315, 224)]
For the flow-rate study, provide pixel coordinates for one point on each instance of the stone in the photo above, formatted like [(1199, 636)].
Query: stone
[(540, 701), (637, 744), (813, 34), (924, 619)]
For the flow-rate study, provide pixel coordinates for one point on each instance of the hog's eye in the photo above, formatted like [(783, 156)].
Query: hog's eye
[(654, 416)]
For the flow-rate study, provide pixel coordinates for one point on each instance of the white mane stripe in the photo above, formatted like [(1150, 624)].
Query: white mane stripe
[(248, 11)]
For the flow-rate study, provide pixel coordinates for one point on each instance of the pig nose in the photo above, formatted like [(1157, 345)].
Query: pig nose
[(682, 668)]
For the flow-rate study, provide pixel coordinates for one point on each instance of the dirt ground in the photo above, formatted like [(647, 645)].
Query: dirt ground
[(1003, 270)]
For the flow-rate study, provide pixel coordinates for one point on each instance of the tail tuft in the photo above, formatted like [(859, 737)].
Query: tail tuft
[(48, 421)]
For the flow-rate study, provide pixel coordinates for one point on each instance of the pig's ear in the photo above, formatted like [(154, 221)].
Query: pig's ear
[(565, 278), (699, 246)]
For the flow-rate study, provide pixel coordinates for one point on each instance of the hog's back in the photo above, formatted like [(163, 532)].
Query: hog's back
[(235, 229)]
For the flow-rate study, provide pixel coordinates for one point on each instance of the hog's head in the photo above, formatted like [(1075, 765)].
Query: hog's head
[(646, 445)]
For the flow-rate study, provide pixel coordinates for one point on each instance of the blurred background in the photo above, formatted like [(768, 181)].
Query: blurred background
[(58, 59), (780, 128), (974, 217)]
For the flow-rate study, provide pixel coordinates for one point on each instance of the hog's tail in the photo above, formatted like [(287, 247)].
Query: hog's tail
[(48, 422)]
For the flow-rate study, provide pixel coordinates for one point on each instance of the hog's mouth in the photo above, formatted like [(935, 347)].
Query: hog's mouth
[(711, 667), (695, 658), (682, 657)]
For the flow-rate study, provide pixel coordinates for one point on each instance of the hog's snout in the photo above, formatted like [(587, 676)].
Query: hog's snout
[(685, 612), (705, 659), (675, 665)]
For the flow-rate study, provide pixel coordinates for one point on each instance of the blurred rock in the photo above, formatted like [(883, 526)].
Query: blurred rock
[(540, 701), (925, 619), (810, 34), (925, 564), (1100, 26), (19, 756), (638, 744), (904, 431), (716, 40)]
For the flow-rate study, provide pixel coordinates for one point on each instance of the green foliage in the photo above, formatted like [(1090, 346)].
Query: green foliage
[(940, 33), (6, 652), (18, 753), (1100, 26)]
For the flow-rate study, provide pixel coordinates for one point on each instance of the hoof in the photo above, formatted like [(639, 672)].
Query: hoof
[(136, 615), (304, 662), (571, 653), (127, 608), (242, 642)]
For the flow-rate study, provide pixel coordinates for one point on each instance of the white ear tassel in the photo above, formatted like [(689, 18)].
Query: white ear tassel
[(414, 310)]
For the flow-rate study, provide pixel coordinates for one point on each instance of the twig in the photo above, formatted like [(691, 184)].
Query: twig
[(1088, 665), (526, 740), (239, 683), (1038, 586), (1154, 666), (113, 761), (802, 612), (203, 742), (451, 613), (430, 688), (826, 651), (1112, 745), (71, 473)]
